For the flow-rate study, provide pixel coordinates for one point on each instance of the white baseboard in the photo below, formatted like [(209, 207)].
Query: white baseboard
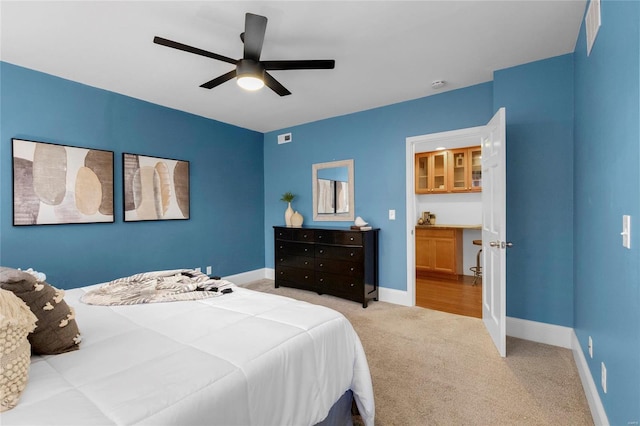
[(589, 386), (247, 277), (540, 332), (391, 295)]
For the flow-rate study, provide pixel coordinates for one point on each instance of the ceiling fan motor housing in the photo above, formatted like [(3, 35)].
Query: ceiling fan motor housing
[(249, 67)]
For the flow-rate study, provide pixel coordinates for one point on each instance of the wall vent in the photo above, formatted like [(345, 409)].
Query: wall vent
[(284, 138), (592, 23)]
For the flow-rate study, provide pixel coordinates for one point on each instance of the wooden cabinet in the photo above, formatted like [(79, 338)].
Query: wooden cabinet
[(465, 170), (340, 262), (439, 250), (431, 172), (457, 170)]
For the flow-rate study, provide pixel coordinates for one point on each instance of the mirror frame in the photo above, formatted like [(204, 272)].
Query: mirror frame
[(343, 217)]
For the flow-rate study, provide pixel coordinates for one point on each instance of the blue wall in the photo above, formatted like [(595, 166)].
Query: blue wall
[(539, 107), (607, 178), (376, 141), (226, 163)]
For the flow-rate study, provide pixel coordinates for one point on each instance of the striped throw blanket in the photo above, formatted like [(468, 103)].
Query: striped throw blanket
[(156, 286)]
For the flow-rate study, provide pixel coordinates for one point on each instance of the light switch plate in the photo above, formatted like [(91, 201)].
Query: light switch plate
[(392, 215), (626, 231)]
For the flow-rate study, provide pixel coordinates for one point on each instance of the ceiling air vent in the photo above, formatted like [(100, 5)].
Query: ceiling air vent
[(284, 138)]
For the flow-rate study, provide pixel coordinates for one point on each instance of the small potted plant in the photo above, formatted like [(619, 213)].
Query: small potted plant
[(288, 197)]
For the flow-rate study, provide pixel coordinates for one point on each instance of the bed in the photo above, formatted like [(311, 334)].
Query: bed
[(245, 358)]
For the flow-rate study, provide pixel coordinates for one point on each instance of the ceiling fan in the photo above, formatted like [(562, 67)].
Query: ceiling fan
[(250, 71)]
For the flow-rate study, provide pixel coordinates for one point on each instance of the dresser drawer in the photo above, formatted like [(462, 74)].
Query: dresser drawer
[(304, 278), (355, 254), (340, 267), (348, 238), (295, 261), (339, 237), (285, 248), (340, 285), (302, 235), (284, 234)]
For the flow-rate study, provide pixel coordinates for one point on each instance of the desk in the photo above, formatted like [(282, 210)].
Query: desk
[(439, 248)]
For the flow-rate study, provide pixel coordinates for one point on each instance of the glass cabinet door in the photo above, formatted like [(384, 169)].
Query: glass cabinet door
[(475, 168), (422, 173), (459, 180), (439, 171)]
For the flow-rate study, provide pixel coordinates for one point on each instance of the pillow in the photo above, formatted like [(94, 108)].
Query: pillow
[(16, 322), (56, 330)]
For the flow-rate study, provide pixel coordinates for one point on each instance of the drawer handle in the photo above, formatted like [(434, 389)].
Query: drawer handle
[(352, 254), (352, 271), (306, 250), (351, 238), (304, 236), (281, 247), (306, 277), (281, 273), (281, 259), (321, 251), (306, 262), (321, 280), (321, 265), (353, 285)]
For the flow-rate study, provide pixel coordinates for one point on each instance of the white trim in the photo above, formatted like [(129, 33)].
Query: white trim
[(549, 334), (590, 390), (249, 276), (391, 295)]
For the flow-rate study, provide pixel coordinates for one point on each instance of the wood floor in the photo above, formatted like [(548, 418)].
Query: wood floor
[(456, 296)]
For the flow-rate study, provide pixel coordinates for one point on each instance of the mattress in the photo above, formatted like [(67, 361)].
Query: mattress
[(245, 358)]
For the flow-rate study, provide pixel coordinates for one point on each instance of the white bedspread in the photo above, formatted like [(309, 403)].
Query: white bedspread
[(246, 358)]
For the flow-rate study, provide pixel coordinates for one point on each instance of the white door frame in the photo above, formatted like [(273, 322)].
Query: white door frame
[(452, 139)]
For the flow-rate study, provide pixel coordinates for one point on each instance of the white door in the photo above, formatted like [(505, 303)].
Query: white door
[(494, 230)]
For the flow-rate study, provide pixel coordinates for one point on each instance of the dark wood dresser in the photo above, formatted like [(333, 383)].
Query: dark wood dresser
[(337, 261)]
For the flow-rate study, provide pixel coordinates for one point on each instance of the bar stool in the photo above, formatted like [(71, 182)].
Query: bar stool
[(477, 270)]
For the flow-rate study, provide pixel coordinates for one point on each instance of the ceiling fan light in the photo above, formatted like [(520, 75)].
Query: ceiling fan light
[(250, 82)]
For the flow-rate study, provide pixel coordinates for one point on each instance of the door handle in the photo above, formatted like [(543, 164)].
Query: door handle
[(501, 244)]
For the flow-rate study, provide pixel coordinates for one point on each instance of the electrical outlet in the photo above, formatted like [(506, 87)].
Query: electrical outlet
[(208, 270), (604, 378), (198, 269), (590, 347)]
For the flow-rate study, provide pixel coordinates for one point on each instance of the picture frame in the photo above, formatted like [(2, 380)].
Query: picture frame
[(155, 188), (56, 184)]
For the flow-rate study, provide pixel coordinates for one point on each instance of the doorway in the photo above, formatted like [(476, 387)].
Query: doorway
[(464, 208), (492, 139)]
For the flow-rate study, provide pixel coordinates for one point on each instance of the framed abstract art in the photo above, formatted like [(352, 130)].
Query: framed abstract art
[(58, 184), (155, 188)]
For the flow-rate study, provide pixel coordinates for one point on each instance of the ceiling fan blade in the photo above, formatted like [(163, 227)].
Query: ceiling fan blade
[(219, 80), (254, 29), (274, 85), (322, 64), (190, 49)]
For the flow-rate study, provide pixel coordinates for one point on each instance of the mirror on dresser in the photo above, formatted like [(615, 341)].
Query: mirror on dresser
[(333, 191)]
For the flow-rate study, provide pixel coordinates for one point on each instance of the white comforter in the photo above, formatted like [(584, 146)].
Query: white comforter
[(246, 358)]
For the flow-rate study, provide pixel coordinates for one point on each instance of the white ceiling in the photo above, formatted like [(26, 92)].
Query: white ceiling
[(385, 51)]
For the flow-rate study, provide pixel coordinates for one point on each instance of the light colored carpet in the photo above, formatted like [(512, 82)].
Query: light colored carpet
[(434, 368)]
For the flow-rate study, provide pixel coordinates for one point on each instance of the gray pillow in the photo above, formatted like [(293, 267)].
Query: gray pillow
[(56, 330)]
